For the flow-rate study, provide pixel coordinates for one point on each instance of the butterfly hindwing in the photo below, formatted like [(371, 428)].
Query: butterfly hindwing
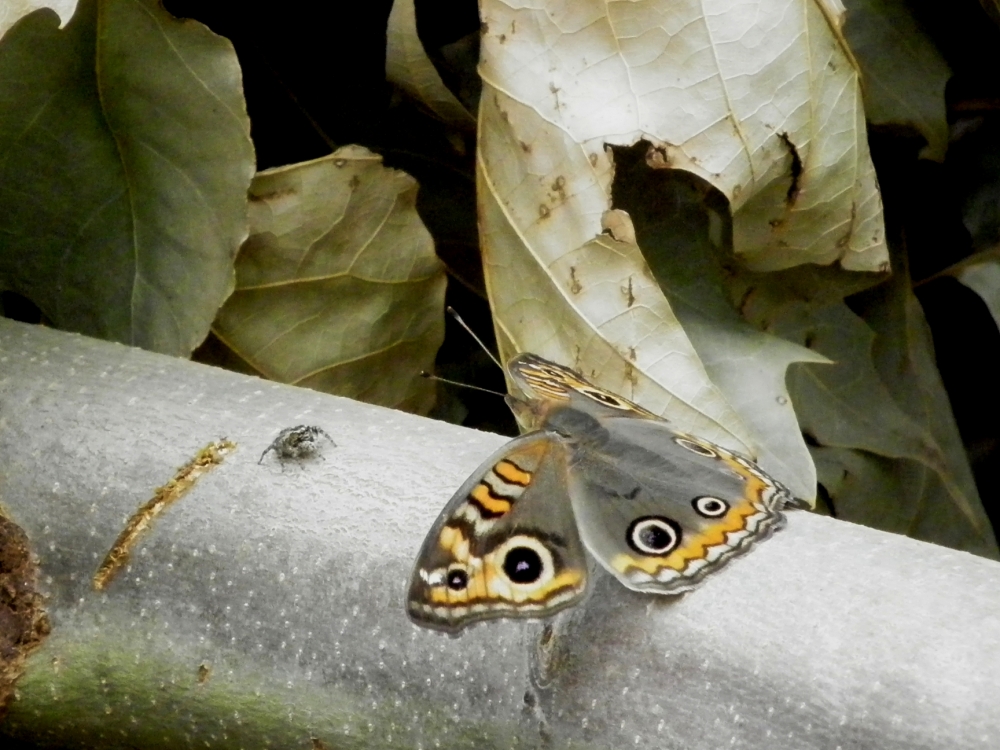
[(506, 544), (660, 509)]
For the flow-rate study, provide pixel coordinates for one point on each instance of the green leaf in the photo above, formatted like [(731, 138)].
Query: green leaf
[(981, 273), (675, 230), (886, 446), (950, 509), (126, 157), (904, 74), (338, 287), (896, 495), (847, 404)]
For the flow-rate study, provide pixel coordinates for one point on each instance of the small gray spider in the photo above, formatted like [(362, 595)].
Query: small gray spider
[(296, 443)]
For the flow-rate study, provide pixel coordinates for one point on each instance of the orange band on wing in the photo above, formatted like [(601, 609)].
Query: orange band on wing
[(696, 548), (479, 589), (487, 583), (510, 473), (488, 501)]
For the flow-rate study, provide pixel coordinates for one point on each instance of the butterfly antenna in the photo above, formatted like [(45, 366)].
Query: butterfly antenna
[(458, 319), (429, 376)]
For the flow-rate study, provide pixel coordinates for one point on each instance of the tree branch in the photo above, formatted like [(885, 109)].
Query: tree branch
[(264, 605)]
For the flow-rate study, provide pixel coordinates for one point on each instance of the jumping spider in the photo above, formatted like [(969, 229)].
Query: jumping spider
[(296, 443)]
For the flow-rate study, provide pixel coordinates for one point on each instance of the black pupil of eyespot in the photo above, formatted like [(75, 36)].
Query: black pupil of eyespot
[(522, 565), (458, 580), (654, 536)]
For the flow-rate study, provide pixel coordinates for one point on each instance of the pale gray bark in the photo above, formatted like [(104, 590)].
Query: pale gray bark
[(265, 608)]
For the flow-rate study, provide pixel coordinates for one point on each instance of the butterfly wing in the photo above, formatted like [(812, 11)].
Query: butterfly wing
[(506, 544), (660, 509), (550, 386)]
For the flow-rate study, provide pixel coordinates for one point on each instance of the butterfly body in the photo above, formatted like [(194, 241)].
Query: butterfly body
[(659, 509)]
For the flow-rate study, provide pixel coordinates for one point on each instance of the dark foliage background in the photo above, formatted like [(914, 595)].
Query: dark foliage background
[(314, 79)]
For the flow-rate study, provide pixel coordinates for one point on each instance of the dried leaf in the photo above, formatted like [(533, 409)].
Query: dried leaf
[(760, 101), (338, 287), (763, 105), (583, 307)]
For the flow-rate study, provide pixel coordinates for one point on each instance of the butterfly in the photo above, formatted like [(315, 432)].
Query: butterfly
[(658, 508)]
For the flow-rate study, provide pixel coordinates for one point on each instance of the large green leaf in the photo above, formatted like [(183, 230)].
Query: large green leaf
[(904, 73), (682, 237), (903, 354), (338, 287), (885, 444), (125, 157)]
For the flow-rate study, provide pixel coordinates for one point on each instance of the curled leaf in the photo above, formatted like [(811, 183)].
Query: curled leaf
[(761, 101)]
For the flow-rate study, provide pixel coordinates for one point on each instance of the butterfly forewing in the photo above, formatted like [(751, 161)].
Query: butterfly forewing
[(505, 545), (556, 386)]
